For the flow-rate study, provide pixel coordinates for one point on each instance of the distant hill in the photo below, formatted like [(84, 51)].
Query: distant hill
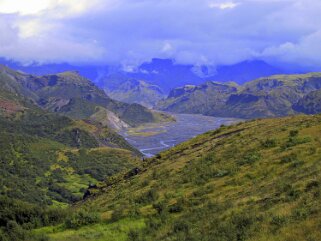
[(134, 91), (208, 98), (276, 95)]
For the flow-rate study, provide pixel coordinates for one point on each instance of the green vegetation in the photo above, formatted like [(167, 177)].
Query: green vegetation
[(40, 160), (258, 180)]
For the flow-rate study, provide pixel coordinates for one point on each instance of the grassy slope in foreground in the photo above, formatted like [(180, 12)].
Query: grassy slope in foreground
[(258, 180)]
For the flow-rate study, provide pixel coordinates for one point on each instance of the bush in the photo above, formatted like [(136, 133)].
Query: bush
[(133, 235), (294, 133), (181, 226), (117, 214), (289, 158), (159, 207), (269, 143), (250, 158), (148, 197), (81, 218)]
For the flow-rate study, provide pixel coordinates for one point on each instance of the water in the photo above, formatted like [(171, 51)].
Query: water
[(155, 138)]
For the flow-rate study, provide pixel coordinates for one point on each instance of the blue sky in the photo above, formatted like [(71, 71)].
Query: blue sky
[(129, 32)]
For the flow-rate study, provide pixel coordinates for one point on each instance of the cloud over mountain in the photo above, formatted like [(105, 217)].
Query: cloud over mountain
[(191, 31)]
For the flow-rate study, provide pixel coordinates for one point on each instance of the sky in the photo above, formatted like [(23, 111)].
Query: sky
[(129, 32)]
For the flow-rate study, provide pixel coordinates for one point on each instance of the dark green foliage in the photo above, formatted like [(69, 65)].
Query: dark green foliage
[(77, 138), (294, 140), (97, 164), (29, 146), (294, 133), (289, 158), (148, 197), (250, 157), (117, 214), (61, 194), (17, 218), (81, 218), (133, 235), (269, 143)]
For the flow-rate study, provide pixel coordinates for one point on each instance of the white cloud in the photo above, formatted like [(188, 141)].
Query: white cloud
[(224, 5), (167, 47), (191, 31), (23, 7)]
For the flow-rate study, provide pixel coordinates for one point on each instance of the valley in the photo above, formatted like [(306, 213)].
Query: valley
[(154, 138), (154, 120)]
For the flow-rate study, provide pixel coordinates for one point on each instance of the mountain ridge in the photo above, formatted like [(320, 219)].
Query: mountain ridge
[(264, 97), (71, 94)]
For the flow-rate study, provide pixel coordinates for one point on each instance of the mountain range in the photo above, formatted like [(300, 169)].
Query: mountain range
[(165, 73), (276, 95)]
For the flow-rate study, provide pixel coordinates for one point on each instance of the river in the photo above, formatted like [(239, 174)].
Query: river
[(154, 138)]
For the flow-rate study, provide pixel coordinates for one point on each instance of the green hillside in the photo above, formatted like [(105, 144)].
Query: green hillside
[(258, 180), (46, 158), (72, 95), (50, 159), (265, 97)]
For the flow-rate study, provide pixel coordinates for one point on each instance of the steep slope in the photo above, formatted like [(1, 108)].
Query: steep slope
[(134, 91), (258, 180), (72, 95), (273, 96), (309, 104), (47, 158), (208, 99), (264, 97)]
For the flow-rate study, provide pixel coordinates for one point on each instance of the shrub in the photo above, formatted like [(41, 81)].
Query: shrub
[(311, 185), (176, 208), (250, 158), (294, 133), (133, 235), (81, 218), (278, 221), (180, 226), (148, 197), (159, 207), (289, 158), (269, 143), (117, 214)]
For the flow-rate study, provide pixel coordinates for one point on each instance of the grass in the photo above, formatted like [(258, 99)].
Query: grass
[(229, 184), (100, 232), (257, 180)]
